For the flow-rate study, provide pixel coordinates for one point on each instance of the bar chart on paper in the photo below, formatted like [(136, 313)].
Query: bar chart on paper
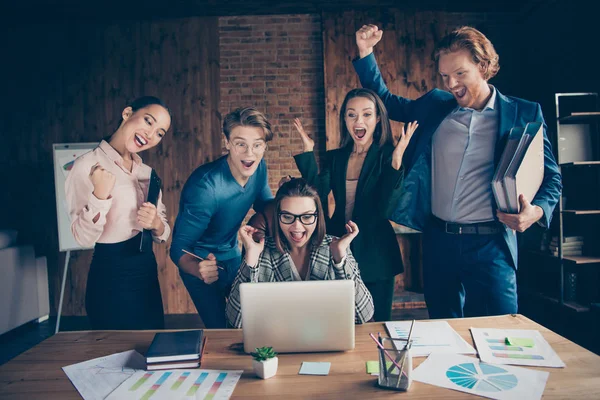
[(178, 384), (429, 337), (495, 346)]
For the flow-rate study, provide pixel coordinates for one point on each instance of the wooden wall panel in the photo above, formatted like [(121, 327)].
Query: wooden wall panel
[(404, 55), (70, 84)]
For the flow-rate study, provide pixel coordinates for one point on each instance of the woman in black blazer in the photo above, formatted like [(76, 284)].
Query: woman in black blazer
[(365, 174)]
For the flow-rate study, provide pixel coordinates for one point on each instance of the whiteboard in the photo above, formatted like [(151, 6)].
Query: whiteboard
[(64, 156)]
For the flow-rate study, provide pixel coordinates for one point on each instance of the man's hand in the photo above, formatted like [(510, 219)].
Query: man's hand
[(520, 222), (366, 38), (208, 269)]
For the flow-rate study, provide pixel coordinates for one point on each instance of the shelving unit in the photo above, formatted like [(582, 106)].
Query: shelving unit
[(578, 148), (559, 286)]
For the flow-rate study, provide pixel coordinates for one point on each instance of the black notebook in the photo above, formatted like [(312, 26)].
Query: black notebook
[(175, 346)]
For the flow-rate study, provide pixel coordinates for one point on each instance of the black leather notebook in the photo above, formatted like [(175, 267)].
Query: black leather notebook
[(175, 346)]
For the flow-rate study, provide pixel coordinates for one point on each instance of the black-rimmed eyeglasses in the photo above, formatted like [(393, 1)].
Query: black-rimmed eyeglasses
[(306, 219)]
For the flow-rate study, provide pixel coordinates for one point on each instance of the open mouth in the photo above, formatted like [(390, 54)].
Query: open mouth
[(297, 237), (460, 93), (140, 141), (360, 132), (247, 164)]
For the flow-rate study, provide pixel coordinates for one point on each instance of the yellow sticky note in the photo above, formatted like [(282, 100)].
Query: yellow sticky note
[(523, 342), (373, 367)]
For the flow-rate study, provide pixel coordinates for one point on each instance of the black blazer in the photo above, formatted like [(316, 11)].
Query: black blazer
[(377, 193)]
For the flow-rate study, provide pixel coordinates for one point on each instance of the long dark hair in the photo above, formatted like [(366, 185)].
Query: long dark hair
[(139, 103), (383, 130), (297, 188)]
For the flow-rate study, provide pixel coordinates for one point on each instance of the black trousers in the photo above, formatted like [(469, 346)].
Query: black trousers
[(122, 287)]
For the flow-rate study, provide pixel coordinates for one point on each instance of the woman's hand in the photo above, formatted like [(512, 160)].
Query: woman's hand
[(253, 249), (103, 181), (148, 218), (307, 143), (405, 136), (339, 247)]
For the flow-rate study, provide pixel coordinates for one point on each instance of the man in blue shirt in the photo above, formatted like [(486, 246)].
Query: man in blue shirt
[(214, 202), (469, 247)]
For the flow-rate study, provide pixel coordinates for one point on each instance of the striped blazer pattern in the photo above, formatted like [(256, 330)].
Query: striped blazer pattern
[(273, 266)]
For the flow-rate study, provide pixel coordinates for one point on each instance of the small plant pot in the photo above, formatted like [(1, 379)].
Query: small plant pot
[(265, 369)]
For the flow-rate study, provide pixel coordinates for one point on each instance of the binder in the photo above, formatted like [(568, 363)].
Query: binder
[(153, 193), (521, 167)]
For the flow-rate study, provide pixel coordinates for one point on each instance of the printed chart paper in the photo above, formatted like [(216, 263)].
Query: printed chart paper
[(429, 337), (492, 348), (467, 374), (95, 379), (203, 384)]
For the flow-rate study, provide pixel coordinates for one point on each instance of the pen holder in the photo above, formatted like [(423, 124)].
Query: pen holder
[(395, 375)]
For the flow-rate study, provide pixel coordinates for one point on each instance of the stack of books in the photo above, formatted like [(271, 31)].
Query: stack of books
[(571, 246), (172, 350)]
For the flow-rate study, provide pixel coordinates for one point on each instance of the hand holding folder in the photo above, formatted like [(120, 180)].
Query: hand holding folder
[(521, 168)]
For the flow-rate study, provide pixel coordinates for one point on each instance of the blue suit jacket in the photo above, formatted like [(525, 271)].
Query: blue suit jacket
[(414, 207)]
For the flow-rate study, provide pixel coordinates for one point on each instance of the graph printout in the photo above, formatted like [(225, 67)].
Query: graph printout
[(494, 348), (95, 379), (429, 337), (467, 374), (203, 384)]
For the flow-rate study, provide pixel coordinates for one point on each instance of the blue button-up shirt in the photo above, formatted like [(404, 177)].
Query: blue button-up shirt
[(463, 164)]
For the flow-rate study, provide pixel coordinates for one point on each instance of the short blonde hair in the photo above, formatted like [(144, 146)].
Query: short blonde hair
[(470, 39), (247, 116)]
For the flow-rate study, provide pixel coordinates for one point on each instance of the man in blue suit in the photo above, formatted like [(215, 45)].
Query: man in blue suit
[(469, 247)]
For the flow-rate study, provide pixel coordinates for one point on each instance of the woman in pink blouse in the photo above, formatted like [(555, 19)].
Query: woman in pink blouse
[(106, 194)]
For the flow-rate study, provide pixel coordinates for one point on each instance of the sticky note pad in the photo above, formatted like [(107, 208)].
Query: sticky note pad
[(373, 367), (314, 368), (524, 342)]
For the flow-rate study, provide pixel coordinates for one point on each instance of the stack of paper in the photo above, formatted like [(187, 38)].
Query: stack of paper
[(429, 337), (521, 167), (571, 246)]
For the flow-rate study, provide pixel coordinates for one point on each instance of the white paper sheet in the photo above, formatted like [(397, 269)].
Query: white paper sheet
[(429, 337), (492, 348), (95, 379), (178, 384), (467, 374)]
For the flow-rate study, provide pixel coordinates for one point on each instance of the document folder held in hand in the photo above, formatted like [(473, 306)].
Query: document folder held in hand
[(521, 167)]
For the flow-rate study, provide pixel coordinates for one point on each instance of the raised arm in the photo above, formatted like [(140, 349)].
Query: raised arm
[(307, 164), (255, 259), (399, 108), (88, 200), (345, 267)]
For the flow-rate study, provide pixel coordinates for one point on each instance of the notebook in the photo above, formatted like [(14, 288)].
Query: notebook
[(176, 346)]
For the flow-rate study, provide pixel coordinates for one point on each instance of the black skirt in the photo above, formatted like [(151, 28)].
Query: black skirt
[(122, 287)]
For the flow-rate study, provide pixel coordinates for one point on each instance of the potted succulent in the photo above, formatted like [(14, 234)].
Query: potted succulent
[(265, 362)]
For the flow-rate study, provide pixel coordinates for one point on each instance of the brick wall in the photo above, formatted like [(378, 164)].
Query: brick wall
[(275, 63)]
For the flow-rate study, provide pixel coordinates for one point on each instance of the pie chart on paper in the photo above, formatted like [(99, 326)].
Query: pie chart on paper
[(481, 377)]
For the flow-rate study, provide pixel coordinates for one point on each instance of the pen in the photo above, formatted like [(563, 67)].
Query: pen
[(408, 344), (381, 356), (198, 257), (385, 351)]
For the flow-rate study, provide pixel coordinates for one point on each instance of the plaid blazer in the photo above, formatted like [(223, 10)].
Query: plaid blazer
[(273, 266)]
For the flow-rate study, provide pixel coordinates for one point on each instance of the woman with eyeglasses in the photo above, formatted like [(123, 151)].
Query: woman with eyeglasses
[(299, 250), (365, 174), (214, 202)]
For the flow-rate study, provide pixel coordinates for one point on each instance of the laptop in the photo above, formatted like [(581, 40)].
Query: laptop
[(295, 317)]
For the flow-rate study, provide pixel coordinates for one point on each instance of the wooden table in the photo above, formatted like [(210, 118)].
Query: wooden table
[(37, 373)]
